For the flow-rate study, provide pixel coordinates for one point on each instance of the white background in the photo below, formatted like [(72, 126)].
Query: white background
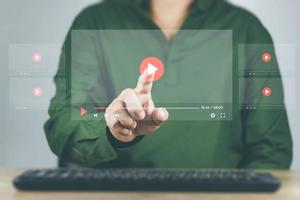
[(22, 140)]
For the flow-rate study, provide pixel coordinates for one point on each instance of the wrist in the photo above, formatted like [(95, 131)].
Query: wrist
[(115, 142)]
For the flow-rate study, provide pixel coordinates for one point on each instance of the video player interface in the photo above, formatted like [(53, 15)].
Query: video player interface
[(193, 75), (197, 75)]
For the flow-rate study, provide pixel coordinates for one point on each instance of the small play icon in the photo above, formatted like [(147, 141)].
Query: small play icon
[(83, 111), (266, 57), (267, 91)]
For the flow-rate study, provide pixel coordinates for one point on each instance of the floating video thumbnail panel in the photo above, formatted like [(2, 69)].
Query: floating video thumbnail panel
[(31, 93), (40, 60), (259, 60), (31, 71), (267, 93)]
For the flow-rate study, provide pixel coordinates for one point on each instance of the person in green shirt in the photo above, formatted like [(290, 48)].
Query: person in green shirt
[(133, 131)]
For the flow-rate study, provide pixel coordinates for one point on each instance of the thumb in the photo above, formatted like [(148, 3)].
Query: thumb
[(159, 116)]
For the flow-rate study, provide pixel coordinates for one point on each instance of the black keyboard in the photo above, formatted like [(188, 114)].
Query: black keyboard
[(146, 180)]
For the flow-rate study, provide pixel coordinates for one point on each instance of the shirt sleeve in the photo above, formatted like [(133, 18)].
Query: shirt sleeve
[(79, 80), (266, 131)]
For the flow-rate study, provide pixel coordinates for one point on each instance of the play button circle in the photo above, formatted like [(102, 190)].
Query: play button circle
[(154, 66), (267, 91), (266, 57)]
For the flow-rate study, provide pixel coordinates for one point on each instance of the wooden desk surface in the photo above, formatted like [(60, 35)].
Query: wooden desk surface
[(289, 190)]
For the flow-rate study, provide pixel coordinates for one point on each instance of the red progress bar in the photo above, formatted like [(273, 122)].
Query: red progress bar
[(100, 108)]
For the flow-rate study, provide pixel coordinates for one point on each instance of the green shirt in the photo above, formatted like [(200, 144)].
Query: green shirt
[(90, 71)]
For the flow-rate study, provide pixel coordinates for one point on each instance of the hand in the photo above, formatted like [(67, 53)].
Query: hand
[(133, 112)]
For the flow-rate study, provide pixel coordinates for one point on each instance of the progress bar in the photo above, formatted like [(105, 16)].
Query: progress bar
[(168, 108)]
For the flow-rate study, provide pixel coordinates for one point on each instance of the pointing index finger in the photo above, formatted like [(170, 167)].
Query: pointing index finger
[(145, 82)]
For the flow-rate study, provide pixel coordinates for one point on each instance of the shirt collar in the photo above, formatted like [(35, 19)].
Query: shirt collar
[(201, 4), (204, 4)]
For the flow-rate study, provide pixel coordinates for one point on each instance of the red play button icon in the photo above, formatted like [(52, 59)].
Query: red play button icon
[(83, 111), (267, 91), (36, 57), (37, 91), (154, 66), (266, 57)]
